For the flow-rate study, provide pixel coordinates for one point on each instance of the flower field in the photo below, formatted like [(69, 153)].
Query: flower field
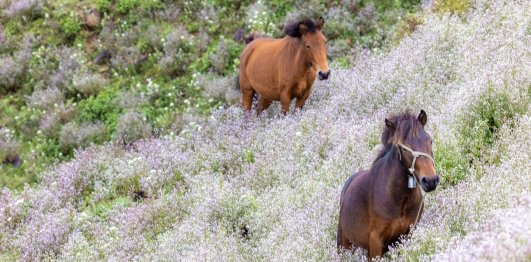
[(73, 72), (266, 188)]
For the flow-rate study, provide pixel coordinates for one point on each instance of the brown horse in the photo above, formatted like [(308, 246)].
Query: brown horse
[(284, 69), (378, 205)]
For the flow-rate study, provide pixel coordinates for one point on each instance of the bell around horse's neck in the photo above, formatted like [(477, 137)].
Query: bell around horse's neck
[(397, 175)]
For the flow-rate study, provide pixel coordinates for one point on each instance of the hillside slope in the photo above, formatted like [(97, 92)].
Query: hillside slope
[(77, 72), (267, 188)]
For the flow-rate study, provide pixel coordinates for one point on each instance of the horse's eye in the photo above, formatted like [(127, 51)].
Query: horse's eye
[(307, 46)]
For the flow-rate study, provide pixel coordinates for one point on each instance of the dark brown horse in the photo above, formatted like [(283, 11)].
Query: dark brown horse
[(284, 69), (378, 205)]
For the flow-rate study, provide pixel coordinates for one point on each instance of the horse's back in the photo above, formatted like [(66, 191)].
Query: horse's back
[(256, 45), (349, 180), (260, 41), (263, 51)]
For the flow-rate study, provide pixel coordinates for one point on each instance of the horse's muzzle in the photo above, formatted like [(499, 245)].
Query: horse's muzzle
[(324, 76), (430, 184)]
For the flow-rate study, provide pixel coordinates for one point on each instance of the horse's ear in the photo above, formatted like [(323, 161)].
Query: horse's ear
[(390, 125), (320, 23), (302, 28), (423, 118)]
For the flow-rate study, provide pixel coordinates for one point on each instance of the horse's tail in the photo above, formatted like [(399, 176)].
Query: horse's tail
[(339, 236), (238, 82), (252, 36), (345, 188)]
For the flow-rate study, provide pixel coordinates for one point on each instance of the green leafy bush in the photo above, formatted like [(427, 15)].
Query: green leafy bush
[(103, 5), (70, 25), (124, 6)]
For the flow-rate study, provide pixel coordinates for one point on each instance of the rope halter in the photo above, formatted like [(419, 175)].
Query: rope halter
[(412, 180), (415, 154)]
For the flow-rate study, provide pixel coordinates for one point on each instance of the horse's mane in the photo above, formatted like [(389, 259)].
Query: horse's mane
[(407, 126), (293, 28)]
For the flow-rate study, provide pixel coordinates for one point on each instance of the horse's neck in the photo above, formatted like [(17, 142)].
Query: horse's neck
[(395, 177)]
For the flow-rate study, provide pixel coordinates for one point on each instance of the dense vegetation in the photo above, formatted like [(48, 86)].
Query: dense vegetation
[(266, 188), (262, 188), (73, 73)]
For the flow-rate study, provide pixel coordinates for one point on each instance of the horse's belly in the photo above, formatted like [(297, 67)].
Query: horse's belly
[(263, 76), (266, 88)]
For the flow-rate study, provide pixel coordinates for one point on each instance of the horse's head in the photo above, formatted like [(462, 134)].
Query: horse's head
[(414, 145), (314, 45)]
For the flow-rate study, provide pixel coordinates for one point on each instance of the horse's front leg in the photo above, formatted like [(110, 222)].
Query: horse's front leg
[(302, 100), (263, 104), (375, 245), (285, 99)]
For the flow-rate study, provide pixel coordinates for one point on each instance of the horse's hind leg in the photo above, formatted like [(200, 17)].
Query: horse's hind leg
[(247, 99), (263, 104), (339, 237), (342, 240), (247, 92)]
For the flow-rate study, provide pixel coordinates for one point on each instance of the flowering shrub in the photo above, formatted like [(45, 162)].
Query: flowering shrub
[(88, 84), (259, 17), (13, 67), (178, 53), (170, 13), (208, 18), (20, 8), (367, 18), (74, 136), (131, 100), (340, 22), (226, 51), (218, 88), (45, 99), (504, 236), (50, 125), (133, 125), (69, 63), (337, 48), (9, 147), (312, 9)]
